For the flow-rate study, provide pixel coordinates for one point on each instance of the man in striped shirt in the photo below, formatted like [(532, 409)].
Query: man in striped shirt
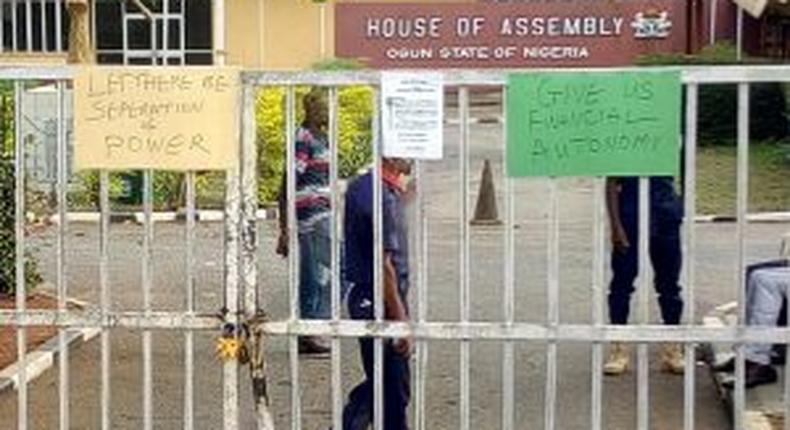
[(313, 200)]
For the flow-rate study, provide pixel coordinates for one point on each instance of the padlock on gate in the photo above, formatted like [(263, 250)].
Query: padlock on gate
[(232, 344)]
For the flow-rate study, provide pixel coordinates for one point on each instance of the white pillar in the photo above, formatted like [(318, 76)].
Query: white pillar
[(218, 17)]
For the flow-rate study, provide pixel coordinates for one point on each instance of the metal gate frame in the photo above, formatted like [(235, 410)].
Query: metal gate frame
[(241, 268)]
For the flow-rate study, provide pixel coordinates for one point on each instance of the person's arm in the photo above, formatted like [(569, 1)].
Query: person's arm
[(394, 308), (282, 206), (393, 305), (282, 203), (619, 236)]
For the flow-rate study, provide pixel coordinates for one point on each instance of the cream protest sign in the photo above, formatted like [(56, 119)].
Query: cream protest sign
[(156, 118)]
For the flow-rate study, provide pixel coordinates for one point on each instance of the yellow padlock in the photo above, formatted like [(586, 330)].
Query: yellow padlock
[(228, 348)]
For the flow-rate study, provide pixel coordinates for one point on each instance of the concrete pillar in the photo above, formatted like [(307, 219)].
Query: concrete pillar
[(80, 48)]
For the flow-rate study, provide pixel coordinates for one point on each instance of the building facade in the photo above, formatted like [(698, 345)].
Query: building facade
[(295, 34)]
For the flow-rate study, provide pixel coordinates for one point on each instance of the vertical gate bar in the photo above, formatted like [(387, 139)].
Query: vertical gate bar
[(421, 371), (19, 223), (643, 363), (249, 249), (249, 202), (293, 255), (509, 310), (29, 25), (104, 294), (189, 342), (742, 209), (230, 369), (147, 275), (336, 300), (552, 306), (378, 284), (59, 25), (689, 195), (599, 248), (463, 105), (14, 24), (43, 5), (62, 286)]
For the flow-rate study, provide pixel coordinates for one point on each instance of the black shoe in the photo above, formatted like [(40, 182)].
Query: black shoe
[(727, 366), (309, 345), (779, 355), (756, 374)]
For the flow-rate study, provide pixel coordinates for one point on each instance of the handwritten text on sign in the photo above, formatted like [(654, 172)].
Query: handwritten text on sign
[(155, 118), (590, 124)]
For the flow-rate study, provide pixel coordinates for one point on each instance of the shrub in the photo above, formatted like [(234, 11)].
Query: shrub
[(6, 119), (84, 192), (355, 110), (169, 190), (8, 201), (717, 105), (8, 234)]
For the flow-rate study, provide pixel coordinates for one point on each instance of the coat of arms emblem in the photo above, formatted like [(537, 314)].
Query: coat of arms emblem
[(651, 25)]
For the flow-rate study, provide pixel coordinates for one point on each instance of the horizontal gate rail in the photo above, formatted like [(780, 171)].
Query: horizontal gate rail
[(493, 77), (428, 330)]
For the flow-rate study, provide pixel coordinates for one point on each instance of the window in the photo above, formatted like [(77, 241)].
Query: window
[(31, 26), (183, 32)]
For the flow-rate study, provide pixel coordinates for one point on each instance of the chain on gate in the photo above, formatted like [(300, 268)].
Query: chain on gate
[(244, 342)]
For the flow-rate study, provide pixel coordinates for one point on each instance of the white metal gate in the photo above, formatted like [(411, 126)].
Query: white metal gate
[(241, 267)]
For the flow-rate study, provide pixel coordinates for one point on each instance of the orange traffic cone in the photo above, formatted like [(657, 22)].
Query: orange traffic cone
[(486, 212)]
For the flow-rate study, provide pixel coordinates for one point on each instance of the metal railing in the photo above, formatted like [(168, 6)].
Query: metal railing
[(241, 268), (35, 26)]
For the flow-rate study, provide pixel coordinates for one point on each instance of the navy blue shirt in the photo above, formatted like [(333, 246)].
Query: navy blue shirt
[(665, 204), (358, 229)]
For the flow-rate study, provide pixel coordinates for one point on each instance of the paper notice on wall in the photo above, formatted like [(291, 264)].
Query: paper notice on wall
[(156, 118), (412, 112)]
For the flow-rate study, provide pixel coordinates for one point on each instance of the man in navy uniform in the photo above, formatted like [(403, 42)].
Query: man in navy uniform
[(666, 216), (359, 253)]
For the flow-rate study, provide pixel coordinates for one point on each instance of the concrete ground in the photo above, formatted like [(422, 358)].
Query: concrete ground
[(716, 273)]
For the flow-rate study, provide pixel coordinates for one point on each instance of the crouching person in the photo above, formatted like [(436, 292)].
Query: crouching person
[(767, 286), (359, 253)]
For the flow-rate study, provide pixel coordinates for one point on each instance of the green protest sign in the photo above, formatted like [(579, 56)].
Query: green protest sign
[(593, 124)]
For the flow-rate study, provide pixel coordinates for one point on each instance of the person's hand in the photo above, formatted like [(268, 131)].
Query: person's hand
[(282, 244), (620, 239), (403, 346)]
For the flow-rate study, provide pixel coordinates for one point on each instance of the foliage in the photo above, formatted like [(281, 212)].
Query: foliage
[(169, 190), (355, 111), (6, 119), (717, 106), (8, 234), (8, 201), (334, 64), (84, 192)]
